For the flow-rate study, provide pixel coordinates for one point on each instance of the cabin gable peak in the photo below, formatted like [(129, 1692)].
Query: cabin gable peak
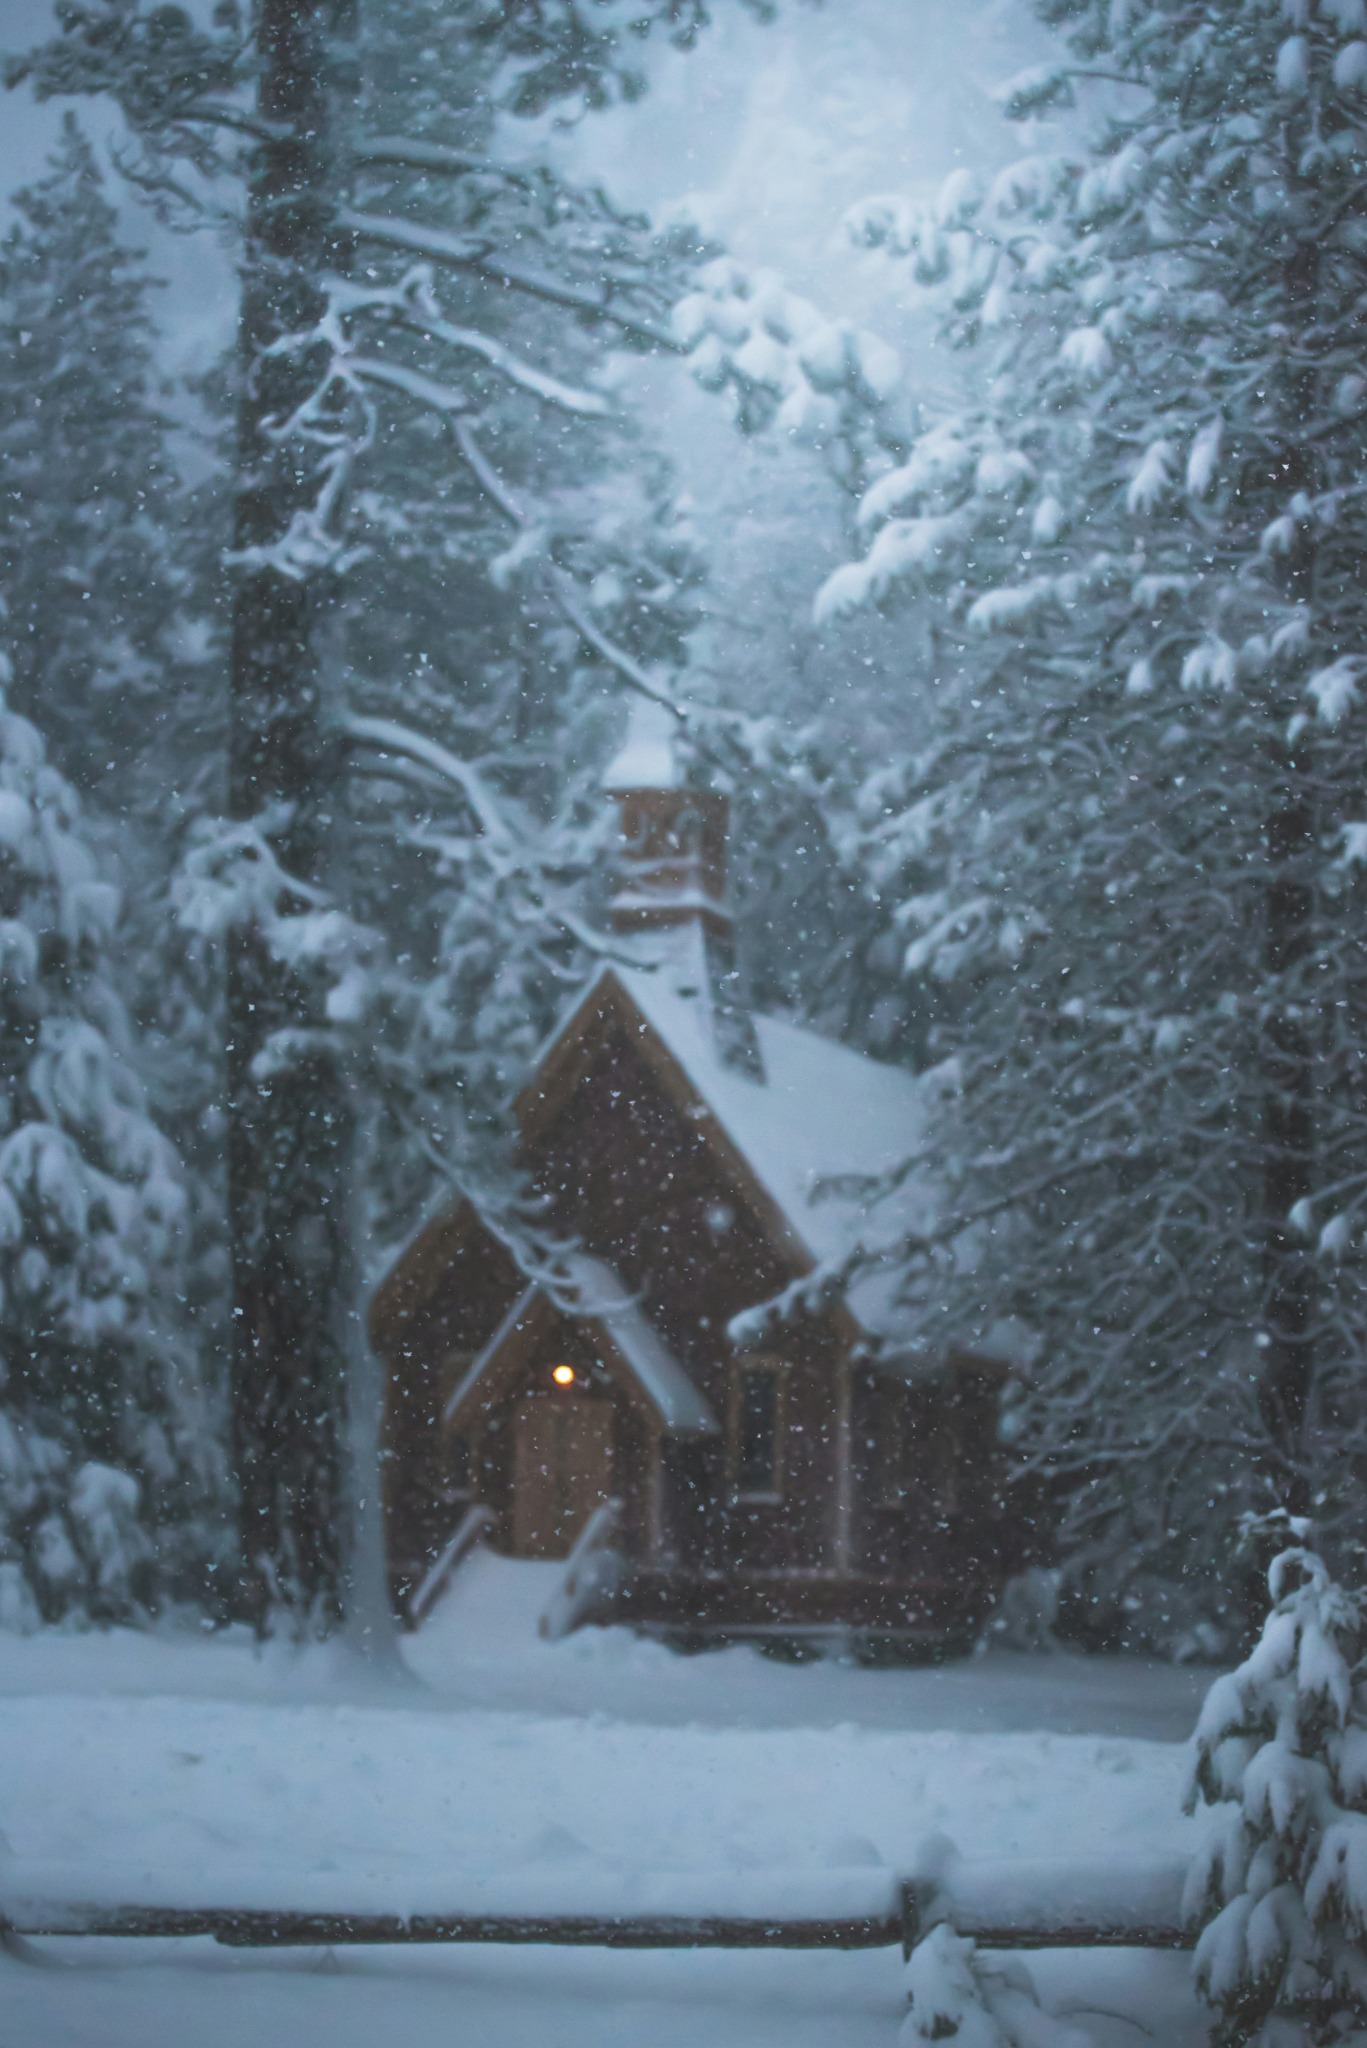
[(615, 1006), (611, 1324)]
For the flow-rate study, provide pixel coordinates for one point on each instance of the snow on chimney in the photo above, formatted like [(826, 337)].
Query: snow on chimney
[(669, 879), (670, 866)]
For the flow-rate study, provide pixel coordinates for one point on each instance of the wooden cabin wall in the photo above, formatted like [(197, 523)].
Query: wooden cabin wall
[(901, 1443), (927, 1478), (632, 1176), (630, 1171), (424, 1497), (815, 1356), (637, 1451), (494, 1438), (692, 1479), (627, 1168), (991, 1535), (425, 1345), (492, 1458), (797, 1530)]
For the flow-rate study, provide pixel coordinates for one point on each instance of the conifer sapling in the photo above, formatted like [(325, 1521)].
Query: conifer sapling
[(1280, 1888)]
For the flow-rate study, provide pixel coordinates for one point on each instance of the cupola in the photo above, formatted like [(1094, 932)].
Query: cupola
[(670, 863), (669, 881)]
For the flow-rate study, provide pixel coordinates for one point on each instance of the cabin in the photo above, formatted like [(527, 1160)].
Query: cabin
[(802, 1474)]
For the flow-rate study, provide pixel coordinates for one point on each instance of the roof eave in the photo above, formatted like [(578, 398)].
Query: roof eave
[(523, 1324)]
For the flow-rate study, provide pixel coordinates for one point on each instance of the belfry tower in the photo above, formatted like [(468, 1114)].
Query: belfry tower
[(670, 867), (669, 878)]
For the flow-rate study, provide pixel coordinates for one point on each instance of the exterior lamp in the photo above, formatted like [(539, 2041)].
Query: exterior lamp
[(563, 1375)]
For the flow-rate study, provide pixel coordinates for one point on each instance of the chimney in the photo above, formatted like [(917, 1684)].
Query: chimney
[(669, 877), (670, 866)]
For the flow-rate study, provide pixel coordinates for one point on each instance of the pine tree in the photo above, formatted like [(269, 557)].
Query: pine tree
[(105, 1459), (1121, 857), (1280, 1889), (93, 597), (453, 623), (491, 893), (329, 340), (109, 589), (956, 1995)]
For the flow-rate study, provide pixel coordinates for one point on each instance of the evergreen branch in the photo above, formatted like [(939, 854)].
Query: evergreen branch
[(455, 252), (442, 398), (412, 306), (390, 737), (404, 154), (616, 657), (213, 114), (489, 478), (586, 404), (562, 584), (1106, 77), (471, 253)]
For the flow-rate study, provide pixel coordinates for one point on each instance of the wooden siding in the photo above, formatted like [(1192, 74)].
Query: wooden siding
[(428, 1324), (633, 1440), (626, 1165)]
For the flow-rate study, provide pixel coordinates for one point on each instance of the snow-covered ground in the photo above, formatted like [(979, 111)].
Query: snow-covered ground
[(183, 1769)]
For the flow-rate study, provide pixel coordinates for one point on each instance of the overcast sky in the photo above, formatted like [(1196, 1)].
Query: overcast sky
[(769, 132)]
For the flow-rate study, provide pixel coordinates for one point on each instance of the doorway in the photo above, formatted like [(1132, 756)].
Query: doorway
[(562, 1469)]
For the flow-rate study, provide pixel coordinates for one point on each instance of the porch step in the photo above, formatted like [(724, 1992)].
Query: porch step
[(494, 1604)]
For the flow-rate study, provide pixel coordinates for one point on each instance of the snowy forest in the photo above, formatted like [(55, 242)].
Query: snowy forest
[(403, 403)]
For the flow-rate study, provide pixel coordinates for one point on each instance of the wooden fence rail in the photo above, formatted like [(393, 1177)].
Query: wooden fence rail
[(1055, 1904), (1001, 1905), (259, 1928)]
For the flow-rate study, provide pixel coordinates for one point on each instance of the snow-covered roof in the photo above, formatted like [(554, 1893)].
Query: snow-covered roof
[(817, 1120), (821, 1115), (595, 1295), (604, 1301)]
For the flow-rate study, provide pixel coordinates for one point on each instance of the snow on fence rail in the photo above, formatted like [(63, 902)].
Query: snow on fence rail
[(1053, 1904), (1001, 1905)]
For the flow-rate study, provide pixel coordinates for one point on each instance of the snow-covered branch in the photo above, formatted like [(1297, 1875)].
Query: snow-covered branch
[(480, 255), (608, 650), (562, 584), (413, 305), (414, 384), (386, 735), (567, 397), (489, 479), (407, 153)]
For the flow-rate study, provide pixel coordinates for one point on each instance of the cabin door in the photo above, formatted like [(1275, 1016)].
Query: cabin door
[(562, 1470)]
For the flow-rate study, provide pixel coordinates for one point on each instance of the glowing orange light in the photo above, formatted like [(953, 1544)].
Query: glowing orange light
[(563, 1375)]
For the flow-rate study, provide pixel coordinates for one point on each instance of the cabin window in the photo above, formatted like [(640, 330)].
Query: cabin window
[(757, 1446)]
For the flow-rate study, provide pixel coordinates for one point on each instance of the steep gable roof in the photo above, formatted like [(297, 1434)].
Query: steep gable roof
[(416, 1272), (819, 1120), (626, 1339), (821, 1116)]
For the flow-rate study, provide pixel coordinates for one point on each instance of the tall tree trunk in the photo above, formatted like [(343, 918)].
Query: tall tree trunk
[(1288, 1133), (1288, 1137), (292, 1122)]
